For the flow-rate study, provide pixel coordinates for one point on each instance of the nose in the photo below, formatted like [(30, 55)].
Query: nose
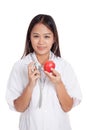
[(41, 40)]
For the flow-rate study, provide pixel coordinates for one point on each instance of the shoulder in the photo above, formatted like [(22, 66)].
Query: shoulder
[(21, 63), (61, 61), (58, 60), (63, 65)]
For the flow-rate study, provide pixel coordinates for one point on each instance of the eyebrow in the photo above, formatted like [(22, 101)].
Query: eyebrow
[(44, 33)]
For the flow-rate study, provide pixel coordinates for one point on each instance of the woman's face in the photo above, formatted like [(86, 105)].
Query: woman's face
[(42, 39)]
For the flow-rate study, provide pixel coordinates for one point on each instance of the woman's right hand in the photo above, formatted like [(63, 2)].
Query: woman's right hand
[(33, 74)]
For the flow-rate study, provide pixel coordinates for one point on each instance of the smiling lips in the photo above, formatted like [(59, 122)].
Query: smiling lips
[(41, 48)]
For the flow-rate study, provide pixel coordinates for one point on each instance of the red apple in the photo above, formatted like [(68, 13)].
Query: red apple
[(48, 65)]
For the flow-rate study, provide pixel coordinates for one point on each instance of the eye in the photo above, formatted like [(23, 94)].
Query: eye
[(47, 36), (36, 36)]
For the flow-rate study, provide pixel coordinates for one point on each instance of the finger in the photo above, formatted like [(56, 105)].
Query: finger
[(36, 72), (48, 74), (35, 75), (31, 67), (54, 72)]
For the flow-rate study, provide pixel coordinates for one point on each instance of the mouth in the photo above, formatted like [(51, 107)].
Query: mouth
[(41, 48)]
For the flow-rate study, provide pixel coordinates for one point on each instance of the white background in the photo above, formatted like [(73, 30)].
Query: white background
[(71, 19)]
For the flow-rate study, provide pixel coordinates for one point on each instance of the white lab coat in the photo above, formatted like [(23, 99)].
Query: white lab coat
[(50, 115)]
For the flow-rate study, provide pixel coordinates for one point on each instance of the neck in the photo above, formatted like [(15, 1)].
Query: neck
[(42, 58)]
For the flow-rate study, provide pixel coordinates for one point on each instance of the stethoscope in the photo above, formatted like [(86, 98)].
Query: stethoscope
[(41, 80)]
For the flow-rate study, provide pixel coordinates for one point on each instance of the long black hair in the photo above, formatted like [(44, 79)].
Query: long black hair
[(48, 21)]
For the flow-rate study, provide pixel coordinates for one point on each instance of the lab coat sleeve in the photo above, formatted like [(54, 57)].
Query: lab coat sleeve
[(72, 84), (14, 85)]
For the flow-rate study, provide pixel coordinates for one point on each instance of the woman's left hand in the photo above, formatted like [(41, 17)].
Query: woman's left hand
[(54, 76)]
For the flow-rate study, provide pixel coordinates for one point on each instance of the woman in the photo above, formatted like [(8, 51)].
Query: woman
[(43, 98)]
